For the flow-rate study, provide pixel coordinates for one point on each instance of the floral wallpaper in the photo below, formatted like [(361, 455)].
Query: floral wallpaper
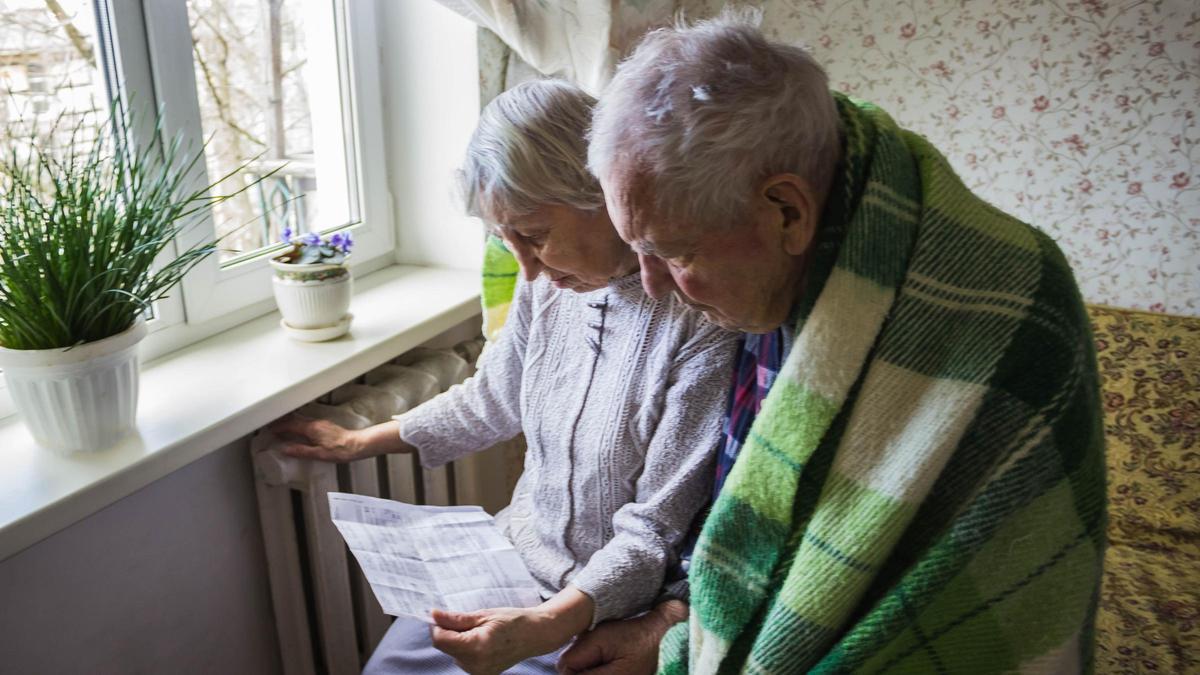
[(1077, 116)]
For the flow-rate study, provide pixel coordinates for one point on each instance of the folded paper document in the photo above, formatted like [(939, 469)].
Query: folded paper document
[(420, 557)]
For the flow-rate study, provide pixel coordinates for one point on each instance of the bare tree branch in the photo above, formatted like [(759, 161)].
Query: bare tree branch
[(222, 105), (78, 39)]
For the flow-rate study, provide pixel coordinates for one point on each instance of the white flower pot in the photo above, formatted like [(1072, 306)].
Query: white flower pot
[(78, 399), (312, 297)]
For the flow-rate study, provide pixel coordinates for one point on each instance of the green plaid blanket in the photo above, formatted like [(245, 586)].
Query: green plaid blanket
[(923, 489)]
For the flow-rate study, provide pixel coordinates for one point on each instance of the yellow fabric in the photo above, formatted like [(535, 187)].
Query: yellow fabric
[(1149, 615)]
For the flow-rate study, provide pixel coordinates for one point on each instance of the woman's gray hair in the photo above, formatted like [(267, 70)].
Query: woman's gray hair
[(530, 150), (706, 111)]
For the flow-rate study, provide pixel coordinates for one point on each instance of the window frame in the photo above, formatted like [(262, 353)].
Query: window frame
[(211, 291), (143, 65), (126, 69)]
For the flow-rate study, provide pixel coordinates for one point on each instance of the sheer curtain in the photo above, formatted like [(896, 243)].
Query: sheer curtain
[(579, 40)]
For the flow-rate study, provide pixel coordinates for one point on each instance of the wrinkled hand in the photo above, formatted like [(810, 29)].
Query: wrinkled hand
[(317, 439), (624, 647), (491, 640)]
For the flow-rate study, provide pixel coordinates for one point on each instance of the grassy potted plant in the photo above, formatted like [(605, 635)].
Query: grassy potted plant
[(313, 285), (85, 237)]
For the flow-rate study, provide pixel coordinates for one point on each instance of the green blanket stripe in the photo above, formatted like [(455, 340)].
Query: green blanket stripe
[(1035, 474), (921, 490)]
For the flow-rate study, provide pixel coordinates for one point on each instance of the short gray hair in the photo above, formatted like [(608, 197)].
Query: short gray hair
[(708, 110), (530, 150)]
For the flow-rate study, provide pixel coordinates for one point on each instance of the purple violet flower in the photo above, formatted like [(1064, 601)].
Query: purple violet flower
[(286, 235), (311, 239), (347, 242), (336, 240)]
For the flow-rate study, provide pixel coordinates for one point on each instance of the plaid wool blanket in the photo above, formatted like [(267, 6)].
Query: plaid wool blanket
[(923, 489)]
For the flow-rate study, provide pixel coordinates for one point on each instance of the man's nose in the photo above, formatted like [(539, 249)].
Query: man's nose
[(656, 278)]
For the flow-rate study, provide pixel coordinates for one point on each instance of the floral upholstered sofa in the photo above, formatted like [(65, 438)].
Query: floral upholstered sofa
[(1149, 615)]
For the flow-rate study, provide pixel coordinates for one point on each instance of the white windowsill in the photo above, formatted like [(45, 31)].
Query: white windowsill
[(215, 391)]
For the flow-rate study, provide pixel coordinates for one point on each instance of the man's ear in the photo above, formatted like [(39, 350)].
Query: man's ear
[(798, 209)]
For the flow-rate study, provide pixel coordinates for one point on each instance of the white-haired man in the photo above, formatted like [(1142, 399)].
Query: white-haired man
[(919, 480)]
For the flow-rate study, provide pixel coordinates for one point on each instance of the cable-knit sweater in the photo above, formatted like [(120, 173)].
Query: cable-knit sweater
[(620, 398)]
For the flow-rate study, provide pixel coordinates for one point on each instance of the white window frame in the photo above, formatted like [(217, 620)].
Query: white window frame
[(211, 292), (126, 71)]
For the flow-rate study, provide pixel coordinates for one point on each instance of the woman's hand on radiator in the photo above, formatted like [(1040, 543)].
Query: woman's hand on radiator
[(492, 640), (326, 441)]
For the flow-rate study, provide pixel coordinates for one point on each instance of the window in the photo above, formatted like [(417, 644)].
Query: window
[(49, 78), (289, 86), (260, 96), (281, 87)]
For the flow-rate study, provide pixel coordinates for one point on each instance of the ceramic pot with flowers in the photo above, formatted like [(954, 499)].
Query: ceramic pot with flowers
[(313, 285)]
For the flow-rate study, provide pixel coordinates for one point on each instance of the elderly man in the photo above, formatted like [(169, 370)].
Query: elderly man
[(921, 487)]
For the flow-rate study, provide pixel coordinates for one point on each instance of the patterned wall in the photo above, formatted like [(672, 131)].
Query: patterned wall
[(1078, 116)]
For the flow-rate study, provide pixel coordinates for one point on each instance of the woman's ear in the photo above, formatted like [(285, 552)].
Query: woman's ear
[(793, 198)]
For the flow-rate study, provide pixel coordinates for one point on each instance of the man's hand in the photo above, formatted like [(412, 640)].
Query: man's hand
[(626, 647), (492, 640)]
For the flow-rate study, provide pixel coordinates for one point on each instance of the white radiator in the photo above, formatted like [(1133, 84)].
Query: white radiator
[(326, 616)]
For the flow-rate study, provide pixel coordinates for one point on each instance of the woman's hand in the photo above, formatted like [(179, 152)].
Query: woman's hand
[(492, 640), (324, 440)]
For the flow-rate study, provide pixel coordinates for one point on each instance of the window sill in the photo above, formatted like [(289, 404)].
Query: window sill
[(215, 391)]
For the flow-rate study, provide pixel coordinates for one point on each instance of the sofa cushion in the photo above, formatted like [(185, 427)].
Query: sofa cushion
[(1149, 614)]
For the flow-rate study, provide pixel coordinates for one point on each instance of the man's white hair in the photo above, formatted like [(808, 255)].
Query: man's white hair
[(530, 150), (706, 111)]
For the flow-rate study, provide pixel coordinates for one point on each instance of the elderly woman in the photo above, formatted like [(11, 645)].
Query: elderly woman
[(619, 396)]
